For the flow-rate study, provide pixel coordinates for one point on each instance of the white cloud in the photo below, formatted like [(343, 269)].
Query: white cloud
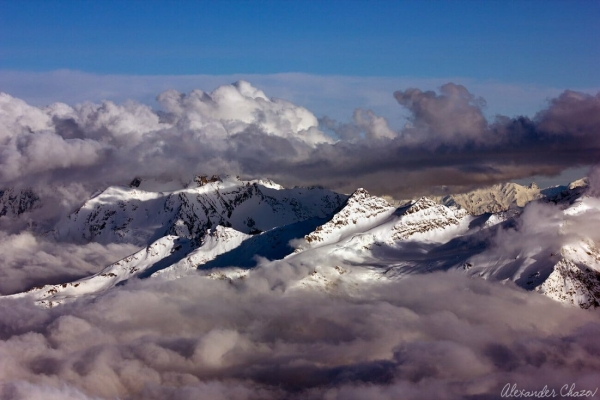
[(334, 96), (237, 130)]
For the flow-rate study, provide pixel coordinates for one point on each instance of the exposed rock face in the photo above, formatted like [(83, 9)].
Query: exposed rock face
[(203, 180), (360, 210), (583, 182), (494, 199), (573, 284), (426, 216), (576, 277), (503, 197), (16, 202), (136, 182)]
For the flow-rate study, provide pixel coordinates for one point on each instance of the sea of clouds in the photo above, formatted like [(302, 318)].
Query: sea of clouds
[(442, 335)]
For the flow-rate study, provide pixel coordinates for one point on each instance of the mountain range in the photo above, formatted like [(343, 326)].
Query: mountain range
[(224, 227)]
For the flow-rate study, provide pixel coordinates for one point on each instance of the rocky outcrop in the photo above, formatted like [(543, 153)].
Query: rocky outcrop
[(573, 284), (360, 210), (426, 217), (14, 202)]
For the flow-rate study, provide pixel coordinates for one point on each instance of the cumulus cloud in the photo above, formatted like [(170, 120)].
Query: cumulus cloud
[(449, 142), (195, 133), (452, 118), (237, 129), (439, 336)]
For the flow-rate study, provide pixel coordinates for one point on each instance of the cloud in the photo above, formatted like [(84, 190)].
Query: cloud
[(437, 336), (29, 261), (440, 335), (239, 106), (571, 113), (454, 117), (594, 181), (449, 142), (91, 141), (236, 129)]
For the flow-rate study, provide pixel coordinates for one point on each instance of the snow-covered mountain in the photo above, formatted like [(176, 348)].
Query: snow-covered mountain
[(141, 214), (500, 197), (223, 227)]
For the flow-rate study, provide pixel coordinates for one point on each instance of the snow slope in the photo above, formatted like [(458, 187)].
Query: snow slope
[(166, 250), (223, 227), (132, 215)]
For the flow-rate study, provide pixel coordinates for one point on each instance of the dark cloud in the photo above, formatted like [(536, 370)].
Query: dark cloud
[(452, 118), (448, 142)]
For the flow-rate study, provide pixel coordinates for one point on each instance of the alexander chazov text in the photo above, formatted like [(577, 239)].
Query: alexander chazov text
[(566, 391)]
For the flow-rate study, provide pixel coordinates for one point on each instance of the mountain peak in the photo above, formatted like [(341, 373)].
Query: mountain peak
[(361, 209), (425, 219), (421, 204), (359, 195), (495, 198), (202, 180), (579, 183), (360, 191), (136, 182)]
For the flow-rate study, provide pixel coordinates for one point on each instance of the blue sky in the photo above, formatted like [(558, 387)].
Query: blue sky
[(328, 56), (552, 43)]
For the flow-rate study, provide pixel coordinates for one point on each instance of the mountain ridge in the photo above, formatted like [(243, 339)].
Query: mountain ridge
[(219, 224)]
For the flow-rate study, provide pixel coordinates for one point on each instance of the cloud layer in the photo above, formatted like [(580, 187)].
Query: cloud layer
[(29, 260), (449, 142), (237, 129), (334, 96), (436, 336)]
